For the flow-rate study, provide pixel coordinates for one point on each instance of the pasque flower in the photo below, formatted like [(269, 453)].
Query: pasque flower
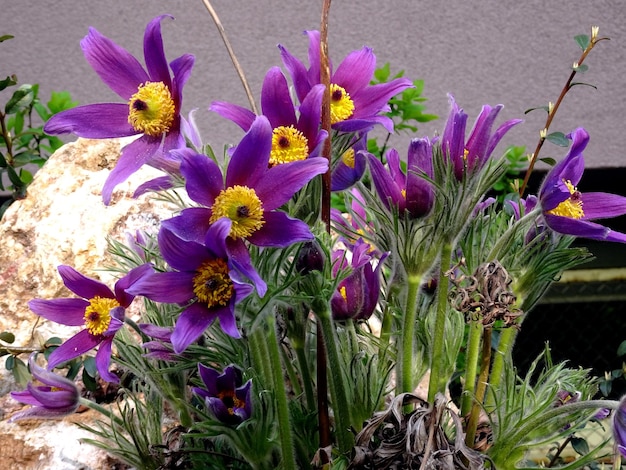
[(152, 103), (351, 164), (568, 211), (52, 396), (295, 136), (411, 191), (471, 155), (224, 395), (205, 280), (355, 105), (249, 196), (357, 294), (99, 309)]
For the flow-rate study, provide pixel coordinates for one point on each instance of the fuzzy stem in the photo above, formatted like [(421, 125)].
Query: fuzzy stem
[(437, 382), (405, 371), (338, 387), (505, 346), (307, 380), (471, 367), (481, 388), (284, 422), (260, 354)]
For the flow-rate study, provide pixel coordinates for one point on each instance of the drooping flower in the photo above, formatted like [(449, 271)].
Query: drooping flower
[(224, 395), (411, 191), (350, 166), (295, 136), (568, 211), (52, 396), (471, 155), (153, 100), (99, 309), (355, 104), (248, 197), (205, 280), (357, 295)]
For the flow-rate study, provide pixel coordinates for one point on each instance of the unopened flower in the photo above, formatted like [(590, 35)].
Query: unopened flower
[(355, 105), (568, 211), (99, 309), (205, 280), (357, 295), (411, 191), (471, 155), (228, 399), (51, 396), (295, 136), (152, 108)]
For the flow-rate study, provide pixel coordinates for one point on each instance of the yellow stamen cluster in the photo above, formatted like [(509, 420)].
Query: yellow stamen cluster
[(348, 158), (231, 401), (288, 145), (151, 110), (243, 207), (97, 316), (341, 105), (212, 284), (572, 207), (342, 291)]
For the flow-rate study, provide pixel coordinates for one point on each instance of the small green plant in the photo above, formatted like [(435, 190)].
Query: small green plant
[(22, 139)]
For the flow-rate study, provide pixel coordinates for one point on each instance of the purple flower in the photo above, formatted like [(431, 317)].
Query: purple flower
[(161, 349), (100, 310), (411, 192), (206, 281), (568, 211), (54, 397), (294, 137), (355, 225), (225, 396), (152, 103), (619, 427), (355, 105), (351, 165), (471, 155), (248, 197), (357, 295)]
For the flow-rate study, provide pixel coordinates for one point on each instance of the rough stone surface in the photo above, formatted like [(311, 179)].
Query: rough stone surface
[(62, 221)]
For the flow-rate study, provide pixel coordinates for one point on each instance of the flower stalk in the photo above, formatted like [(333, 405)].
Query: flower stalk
[(405, 371)]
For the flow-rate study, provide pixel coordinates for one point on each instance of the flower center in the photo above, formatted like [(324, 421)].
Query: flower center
[(348, 158), (341, 105), (151, 110), (97, 316), (288, 145), (212, 284), (231, 401), (571, 207), (243, 207)]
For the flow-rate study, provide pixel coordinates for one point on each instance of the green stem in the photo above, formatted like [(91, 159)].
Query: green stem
[(260, 354), (345, 442), (307, 380), (481, 388), (505, 346), (284, 422), (102, 410), (471, 365), (437, 382), (405, 371)]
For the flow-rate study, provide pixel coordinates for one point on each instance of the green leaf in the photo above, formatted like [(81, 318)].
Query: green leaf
[(545, 108), (581, 68), (582, 40), (3, 161), (14, 177), (582, 83), (558, 138), (7, 337), (381, 74), (89, 381), (10, 362), (580, 445), (17, 123), (621, 350), (6, 37), (26, 177), (21, 99), (60, 101), (7, 82), (549, 160), (20, 373), (605, 387)]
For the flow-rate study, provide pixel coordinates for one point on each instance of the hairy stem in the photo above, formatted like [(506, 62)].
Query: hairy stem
[(471, 365), (405, 370), (481, 388)]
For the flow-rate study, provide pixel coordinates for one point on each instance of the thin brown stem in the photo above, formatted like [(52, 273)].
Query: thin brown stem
[(326, 125), (554, 108), (231, 53)]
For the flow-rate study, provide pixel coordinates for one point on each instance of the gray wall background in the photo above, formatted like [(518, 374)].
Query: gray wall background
[(513, 52)]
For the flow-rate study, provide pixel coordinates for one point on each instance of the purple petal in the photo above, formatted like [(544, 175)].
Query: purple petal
[(251, 157), (298, 72), (238, 114), (603, 205), (373, 99), (240, 259), (168, 287), (583, 229), (78, 344), (292, 177), (133, 157), (154, 54), (310, 115), (93, 121), (313, 73), (157, 184), (192, 223), (356, 70), (203, 177), (228, 322), (127, 281), (499, 133), (49, 378), (82, 285), (180, 254), (280, 230), (103, 361), (209, 377), (181, 68), (192, 323), (115, 65), (386, 187), (70, 312), (275, 99), (215, 240)]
